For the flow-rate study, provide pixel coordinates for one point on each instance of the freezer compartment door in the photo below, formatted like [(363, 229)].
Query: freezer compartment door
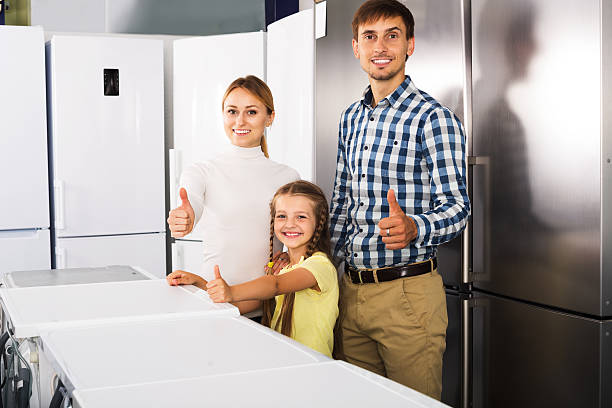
[(455, 368), (526, 355), (147, 251), (24, 250), (24, 188), (107, 109), (290, 76), (188, 256)]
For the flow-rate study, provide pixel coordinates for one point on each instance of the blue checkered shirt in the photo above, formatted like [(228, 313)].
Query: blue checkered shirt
[(414, 145)]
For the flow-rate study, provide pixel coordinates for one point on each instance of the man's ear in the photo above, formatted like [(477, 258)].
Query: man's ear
[(355, 48), (410, 47)]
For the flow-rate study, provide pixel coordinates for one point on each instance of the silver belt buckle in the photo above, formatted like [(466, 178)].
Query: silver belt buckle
[(359, 274)]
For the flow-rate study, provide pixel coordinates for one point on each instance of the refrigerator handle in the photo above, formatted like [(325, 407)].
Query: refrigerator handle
[(177, 257), (466, 352), (58, 189), (174, 160), (60, 257)]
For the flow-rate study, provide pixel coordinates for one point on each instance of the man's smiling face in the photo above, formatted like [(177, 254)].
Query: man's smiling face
[(382, 47)]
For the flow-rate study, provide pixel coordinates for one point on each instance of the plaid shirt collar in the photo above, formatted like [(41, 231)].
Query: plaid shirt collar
[(395, 99)]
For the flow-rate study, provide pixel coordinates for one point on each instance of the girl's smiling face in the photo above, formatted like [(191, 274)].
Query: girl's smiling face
[(244, 118), (294, 222)]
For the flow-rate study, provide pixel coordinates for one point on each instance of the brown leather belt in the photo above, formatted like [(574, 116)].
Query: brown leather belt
[(389, 274)]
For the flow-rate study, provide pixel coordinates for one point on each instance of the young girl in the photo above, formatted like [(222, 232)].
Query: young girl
[(306, 291)]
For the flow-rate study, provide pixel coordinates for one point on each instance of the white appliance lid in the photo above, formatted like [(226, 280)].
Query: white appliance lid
[(71, 276), (326, 385), (34, 309), (150, 351)]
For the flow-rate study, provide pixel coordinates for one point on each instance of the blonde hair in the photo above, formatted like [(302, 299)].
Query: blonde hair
[(260, 90), (320, 242)]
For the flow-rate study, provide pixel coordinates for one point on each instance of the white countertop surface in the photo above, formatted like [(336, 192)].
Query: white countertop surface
[(33, 310)]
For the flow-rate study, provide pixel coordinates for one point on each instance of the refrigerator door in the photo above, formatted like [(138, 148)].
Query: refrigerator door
[(147, 251), (352, 386), (107, 109), (537, 190), (340, 81), (439, 36), (290, 76), (173, 349), (188, 256), (25, 250), (528, 356), (203, 69), (24, 188)]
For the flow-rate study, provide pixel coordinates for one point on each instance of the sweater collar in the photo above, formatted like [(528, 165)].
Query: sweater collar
[(246, 152)]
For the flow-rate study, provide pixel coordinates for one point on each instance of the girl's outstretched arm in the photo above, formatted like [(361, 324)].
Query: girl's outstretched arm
[(180, 277), (262, 288)]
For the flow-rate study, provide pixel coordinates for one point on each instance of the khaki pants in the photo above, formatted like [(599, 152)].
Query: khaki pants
[(397, 329)]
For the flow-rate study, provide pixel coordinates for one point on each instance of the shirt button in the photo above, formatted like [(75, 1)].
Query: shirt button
[(360, 229), (355, 255), (395, 142), (363, 175), (366, 148), (361, 203), (371, 118)]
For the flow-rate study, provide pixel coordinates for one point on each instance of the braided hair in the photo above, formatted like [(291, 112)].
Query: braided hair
[(320, 242)]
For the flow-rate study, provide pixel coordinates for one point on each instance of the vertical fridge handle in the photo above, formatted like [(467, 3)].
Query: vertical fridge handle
[(60, 258), (174, 160), (177, 257), (466, 353), (58, 190)]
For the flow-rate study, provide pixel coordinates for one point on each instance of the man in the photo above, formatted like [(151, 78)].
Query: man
[(399, 192)]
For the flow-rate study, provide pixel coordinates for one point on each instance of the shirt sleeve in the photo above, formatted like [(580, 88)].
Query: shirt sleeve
[(338, 205), (443, 146), (323, 271), (193, 179)]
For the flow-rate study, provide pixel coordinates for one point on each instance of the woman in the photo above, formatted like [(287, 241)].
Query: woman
[(231, 194)]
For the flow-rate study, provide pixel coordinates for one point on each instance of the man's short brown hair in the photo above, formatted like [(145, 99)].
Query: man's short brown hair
[(373, 10)]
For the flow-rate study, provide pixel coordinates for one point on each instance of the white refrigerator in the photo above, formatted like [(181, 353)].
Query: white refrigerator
[(106, 113), (204, 67), (24, 187)]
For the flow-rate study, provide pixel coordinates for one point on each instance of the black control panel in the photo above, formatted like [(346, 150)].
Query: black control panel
[(111, 82)]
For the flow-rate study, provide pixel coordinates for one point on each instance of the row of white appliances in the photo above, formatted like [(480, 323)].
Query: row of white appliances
[(173, 347), (104, 179), (105, 103)]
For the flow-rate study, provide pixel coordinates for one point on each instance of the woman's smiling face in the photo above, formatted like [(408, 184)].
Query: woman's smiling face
[(245, 118)]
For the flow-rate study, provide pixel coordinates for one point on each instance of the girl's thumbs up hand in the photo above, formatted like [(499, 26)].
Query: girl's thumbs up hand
[(218, 290), (397, 230)]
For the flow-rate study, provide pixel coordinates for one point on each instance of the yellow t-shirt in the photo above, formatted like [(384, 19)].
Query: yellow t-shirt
[(314, 312)]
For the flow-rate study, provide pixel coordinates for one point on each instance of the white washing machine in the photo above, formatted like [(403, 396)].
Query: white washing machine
[(31, 310)]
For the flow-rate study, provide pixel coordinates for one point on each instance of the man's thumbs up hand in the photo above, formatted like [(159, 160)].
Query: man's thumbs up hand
[(218, 290), (397, 230), (180, 220)]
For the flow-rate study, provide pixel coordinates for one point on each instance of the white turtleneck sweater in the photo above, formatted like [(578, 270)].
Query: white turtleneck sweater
[(231, 196)]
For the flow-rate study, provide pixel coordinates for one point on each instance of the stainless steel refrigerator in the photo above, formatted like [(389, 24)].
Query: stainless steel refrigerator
[(529, 284)]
